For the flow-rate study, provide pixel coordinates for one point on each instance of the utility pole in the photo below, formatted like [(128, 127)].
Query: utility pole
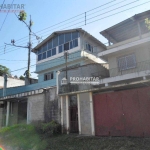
[(29, 49), (22, 17), (66, 58)]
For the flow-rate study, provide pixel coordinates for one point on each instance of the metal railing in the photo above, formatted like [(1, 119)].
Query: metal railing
[(140, 66)]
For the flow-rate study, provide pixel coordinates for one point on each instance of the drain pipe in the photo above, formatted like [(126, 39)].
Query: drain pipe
[(58, 72)]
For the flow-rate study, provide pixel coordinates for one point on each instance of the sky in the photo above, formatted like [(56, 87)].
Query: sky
[(55, 15)]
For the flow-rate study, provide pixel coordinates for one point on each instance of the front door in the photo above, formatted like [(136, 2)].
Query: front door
[(73, 114)]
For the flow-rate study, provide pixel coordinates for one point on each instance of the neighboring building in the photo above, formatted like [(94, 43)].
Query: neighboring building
[(120, 104), (12, 82), (39, 101)]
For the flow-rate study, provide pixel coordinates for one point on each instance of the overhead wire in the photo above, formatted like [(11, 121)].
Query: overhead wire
[(1, 53), (5, 17), (80, 22), (75, 17), (100, 19)]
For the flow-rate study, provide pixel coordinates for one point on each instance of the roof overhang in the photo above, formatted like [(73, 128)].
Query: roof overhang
[(127, 29), (67, 31)]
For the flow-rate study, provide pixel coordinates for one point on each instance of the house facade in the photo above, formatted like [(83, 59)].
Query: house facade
[(119, 104), (40, 101)]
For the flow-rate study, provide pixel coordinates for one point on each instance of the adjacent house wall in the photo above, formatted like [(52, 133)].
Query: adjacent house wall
[(11, 82), (142, 54)]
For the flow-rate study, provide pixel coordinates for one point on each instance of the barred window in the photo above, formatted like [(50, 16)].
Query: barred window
[(127, 62)]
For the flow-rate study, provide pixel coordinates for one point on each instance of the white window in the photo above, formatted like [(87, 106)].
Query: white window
[(89, 47), (49, 76), (127, 62)]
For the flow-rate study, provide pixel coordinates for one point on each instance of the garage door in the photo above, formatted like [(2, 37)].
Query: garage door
[(124, 113)]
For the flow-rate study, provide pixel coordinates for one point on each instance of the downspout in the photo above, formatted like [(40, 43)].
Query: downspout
[(58, 72)]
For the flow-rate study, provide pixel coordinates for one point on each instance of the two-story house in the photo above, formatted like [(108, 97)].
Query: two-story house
[(40, 101), (125, 111), (120, 104)]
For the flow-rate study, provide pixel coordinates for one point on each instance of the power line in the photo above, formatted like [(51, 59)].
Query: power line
[(55, 61), (98, 19), (2, 4), (69, 19), (87, 19), (5, 18)]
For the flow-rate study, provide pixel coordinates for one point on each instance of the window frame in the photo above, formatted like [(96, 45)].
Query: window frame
[(127, 67), (51, 75)]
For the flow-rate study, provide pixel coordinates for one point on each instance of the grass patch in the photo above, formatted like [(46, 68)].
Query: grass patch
[(45, 137), (26, 137)]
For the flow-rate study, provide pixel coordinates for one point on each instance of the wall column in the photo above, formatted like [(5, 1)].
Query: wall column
[(27, 112), (67, 113), (79, 117), (62, 124), (8, 113), (92, 113)]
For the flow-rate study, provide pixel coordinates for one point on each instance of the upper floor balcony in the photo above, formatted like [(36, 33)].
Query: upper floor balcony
[(129, 33)]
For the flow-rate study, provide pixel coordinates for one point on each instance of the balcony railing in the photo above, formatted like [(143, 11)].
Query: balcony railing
[(140, 66)]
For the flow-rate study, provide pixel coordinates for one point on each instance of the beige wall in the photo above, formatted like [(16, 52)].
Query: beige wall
[(142, 54), (35, 108)]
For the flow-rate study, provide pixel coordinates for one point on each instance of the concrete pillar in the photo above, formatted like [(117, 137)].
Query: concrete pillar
[(92, 113), (61, 101), (67, 113), (28, 112), (79, 116), (8, 113)]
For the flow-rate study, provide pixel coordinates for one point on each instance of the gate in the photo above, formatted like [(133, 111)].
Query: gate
[(123, 113), (73, 114), (73, 119)]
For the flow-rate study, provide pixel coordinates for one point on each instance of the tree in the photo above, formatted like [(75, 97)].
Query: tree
[(4, 70), (22, 78)]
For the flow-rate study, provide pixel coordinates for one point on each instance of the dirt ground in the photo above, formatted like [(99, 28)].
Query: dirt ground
[(75, 142)]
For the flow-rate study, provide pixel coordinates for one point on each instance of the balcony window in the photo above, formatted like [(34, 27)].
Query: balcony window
[(49, 76), (53, 51), (49, 53), (61, 48), (66, 46), (127, 62)]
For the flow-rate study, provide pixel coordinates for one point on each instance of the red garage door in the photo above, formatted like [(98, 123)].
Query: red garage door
[(124, 113)]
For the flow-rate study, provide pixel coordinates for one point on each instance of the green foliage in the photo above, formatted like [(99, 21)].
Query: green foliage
[(22, 77), (22, 136), (48, 129), (22, 16), (147, 22), (27, 137), (4, 70)]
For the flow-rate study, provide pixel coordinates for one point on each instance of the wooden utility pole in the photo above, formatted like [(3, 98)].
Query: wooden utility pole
[(66, 58), (22, 17)]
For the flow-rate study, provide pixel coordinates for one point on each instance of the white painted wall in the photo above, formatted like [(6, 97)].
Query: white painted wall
[(11, 82)]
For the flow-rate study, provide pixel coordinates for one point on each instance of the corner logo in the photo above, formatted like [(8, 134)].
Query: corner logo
[(1, 148)]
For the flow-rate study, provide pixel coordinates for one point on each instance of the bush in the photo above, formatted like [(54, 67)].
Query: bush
[(48, 129)]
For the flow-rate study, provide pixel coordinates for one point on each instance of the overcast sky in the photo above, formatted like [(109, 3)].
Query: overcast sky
[(47, 13)]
